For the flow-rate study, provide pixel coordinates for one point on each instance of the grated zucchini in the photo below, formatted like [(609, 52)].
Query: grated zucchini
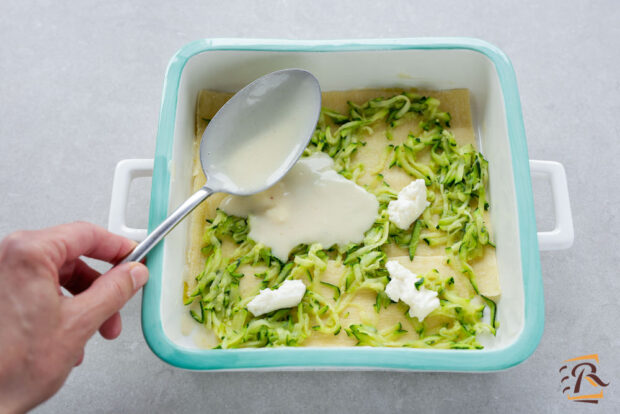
[(456, 178)]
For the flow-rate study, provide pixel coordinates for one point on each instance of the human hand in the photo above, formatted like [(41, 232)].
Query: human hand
[(43, 332)]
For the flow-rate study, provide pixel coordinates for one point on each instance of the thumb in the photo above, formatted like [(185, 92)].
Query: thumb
[(107, 295)]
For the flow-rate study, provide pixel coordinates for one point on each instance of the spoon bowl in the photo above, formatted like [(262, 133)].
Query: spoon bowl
[(251, 143), (261, 132)]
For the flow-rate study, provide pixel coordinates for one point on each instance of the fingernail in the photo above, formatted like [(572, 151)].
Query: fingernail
[(139, 275)]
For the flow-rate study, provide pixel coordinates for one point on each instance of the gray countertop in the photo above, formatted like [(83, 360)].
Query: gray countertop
[(80, 89)]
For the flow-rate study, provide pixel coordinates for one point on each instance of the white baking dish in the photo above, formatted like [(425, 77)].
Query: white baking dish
[(229, 64)]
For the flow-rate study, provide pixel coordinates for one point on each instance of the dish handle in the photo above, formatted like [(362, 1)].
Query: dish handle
[(562, 236), (126, 171)]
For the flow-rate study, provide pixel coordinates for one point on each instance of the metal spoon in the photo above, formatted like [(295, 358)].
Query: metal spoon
[(250, 119)]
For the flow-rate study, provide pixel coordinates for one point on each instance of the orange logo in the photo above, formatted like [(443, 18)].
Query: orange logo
[(573, 376)]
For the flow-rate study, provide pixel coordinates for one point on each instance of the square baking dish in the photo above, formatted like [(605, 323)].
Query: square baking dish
[(428, 63)]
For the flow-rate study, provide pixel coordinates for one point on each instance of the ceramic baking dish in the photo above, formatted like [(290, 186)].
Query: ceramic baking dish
[(442, 63)]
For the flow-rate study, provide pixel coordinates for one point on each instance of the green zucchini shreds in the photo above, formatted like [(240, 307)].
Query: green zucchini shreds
[(456, 178), (336, 289), (415, 237)]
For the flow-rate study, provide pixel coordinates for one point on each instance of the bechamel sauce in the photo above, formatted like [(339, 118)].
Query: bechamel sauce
[(311, 204), (265, 134)]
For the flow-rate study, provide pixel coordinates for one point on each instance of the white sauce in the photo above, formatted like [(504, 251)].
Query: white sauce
[(264, 135), (311, 204)]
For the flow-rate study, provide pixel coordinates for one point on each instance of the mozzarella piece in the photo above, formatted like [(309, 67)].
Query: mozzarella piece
[(289, 294), (402, 287), (409, 205)]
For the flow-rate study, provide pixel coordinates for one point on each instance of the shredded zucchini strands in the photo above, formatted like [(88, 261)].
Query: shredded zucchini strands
[(455, 178)]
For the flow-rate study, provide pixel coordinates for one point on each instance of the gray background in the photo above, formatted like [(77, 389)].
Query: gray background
[(80, 89)]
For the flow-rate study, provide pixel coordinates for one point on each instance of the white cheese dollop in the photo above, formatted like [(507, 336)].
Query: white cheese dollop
[(289, 294), (409, 205), (402, 287)]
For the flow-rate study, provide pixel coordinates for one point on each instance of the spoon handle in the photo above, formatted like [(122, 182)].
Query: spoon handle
[(168, 224)]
